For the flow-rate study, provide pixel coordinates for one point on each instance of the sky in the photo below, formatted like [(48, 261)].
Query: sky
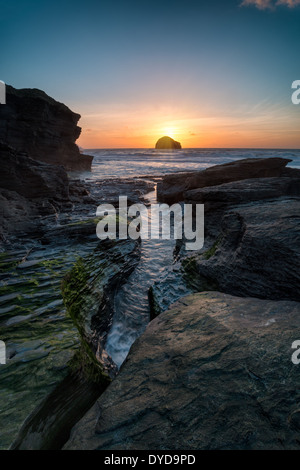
[(208, 73)]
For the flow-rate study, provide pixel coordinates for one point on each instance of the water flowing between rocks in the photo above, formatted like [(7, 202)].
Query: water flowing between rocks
[(131, 308)]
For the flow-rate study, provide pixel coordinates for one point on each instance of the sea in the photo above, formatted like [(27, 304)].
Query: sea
[(126, 163)]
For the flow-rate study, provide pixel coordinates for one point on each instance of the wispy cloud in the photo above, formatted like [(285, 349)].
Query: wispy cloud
[(271, 4)]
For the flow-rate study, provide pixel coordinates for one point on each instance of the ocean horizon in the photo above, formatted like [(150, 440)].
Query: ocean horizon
[(143, 162)]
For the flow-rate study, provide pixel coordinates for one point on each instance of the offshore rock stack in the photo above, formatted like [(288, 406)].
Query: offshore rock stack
[(167, 143)]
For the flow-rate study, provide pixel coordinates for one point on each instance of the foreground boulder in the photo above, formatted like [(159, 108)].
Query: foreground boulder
[(167, 143), (172, 188), (33, 122), (213, 372)]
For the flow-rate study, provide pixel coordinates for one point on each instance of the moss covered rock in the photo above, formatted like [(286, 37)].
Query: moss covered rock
[(88, 292)]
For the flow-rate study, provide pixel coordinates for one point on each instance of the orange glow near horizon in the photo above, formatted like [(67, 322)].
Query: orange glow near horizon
[(133, 129)]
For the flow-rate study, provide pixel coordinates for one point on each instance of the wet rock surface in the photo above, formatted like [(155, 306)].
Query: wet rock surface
[(212, 372), (48, 426), (172, 188), (109, 190), (245, 191), (48, 207), (251, 240), (41, 338), (88, 291)]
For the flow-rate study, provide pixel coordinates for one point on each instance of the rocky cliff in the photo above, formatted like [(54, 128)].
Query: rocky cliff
[(31, 193), (252, 238), (37, 147), (33, 122)]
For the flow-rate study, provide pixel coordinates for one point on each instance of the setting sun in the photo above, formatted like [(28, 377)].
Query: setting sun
[(170, 131)]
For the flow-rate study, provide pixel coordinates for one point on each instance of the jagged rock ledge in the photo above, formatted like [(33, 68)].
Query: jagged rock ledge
[(88, 292), (252, 233)]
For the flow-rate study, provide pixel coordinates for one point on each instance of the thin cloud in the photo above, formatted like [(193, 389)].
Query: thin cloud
[(271, 4)]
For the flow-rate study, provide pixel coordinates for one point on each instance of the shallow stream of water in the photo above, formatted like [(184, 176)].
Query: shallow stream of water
[(131, 302)]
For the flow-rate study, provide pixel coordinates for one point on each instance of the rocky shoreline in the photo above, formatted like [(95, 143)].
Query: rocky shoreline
[(211, 371), (214, 370), (47, 224)]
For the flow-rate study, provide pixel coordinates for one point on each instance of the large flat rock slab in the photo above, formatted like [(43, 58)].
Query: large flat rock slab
[(213, 372), (245, 191), (172, 187)]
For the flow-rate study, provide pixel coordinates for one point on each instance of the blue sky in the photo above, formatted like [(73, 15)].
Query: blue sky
[(212, 73)]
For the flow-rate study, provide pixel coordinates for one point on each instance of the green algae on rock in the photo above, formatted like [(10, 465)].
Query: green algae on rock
[(88, 291), (40, 338)]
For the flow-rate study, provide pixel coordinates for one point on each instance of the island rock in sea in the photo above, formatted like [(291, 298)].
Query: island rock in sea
[(167, 143)]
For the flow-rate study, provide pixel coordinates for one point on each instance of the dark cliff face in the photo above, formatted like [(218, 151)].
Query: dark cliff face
[(37, 146), (31, 193), (167, 143), (45, 129), (32, 179)]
